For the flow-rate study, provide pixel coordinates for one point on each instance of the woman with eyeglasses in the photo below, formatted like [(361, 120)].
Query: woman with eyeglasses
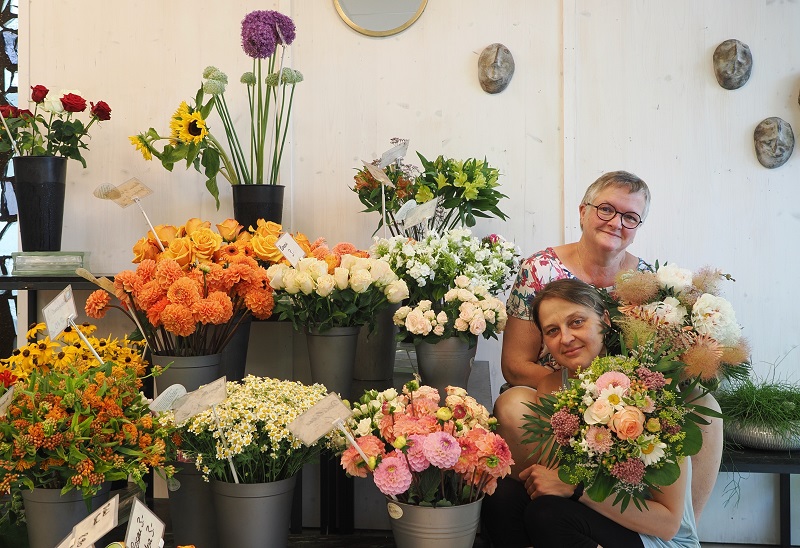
[(611, 212)]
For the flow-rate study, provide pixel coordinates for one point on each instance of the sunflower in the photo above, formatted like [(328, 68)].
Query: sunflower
[(187, 125), (142, 146)]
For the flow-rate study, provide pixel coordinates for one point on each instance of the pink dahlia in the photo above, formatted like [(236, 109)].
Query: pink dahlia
[(416, 457), (441, 449), (352, 462), (392, 476)]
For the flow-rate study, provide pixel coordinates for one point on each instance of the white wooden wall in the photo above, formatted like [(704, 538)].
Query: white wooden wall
[(599, 85)]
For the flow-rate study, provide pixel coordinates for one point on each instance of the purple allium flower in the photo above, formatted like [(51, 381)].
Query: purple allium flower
[(565, 425), (441, 449), (629, 471), (263, 30), (392, 476)]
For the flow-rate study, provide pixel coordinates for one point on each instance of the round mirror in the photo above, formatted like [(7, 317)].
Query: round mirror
[(379, 17)]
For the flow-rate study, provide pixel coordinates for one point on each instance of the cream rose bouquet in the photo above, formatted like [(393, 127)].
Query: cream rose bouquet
[(424, 450), (466, 312), (621, 428), (334, 291), (680, 312)]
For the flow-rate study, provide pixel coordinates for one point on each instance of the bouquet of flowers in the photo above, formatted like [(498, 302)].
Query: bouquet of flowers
[(621, 427), (678, 311), (52, 129), (422, 451), (462, 190), (190, 138), (429, 266), (74, 423), (189, 299), (337, 287), (466, 312), (252, 430)]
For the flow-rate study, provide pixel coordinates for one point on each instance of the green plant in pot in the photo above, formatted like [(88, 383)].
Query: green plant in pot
[(764, 414)]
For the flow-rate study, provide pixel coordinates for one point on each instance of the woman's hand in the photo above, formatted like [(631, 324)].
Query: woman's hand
[(540, 480)]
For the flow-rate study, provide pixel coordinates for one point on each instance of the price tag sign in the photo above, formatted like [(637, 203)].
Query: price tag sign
[(394, 153), (420, 214), (378, 174), (58, 312), (318, 421), (99, 522), (167, 398), (6, 400), (201, 399), (290, 249), (130, 191), (404, 210), (144, 527)]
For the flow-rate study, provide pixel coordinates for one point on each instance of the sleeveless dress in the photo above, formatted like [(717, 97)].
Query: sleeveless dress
[(687, 534)]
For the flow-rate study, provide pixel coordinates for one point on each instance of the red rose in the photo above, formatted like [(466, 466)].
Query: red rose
[(39, 93), (101, 111), (73, 103), (9, 111)]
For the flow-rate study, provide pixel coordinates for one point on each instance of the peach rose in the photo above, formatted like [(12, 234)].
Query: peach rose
[(267, 228), (417, 324), (302, 241), (180, 250), (144, 249), (265, 249), (628, 423), (193, 224), (166, 233), (205, 242), (229, 229)]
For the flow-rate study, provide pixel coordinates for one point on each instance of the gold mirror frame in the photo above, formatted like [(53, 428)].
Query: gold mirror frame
[(378, 33)]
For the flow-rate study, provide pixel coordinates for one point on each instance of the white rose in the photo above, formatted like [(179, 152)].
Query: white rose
[(600, 412), (462, 281), (305, 282), (396, 291), (466, 311), (450, 295), (348, 261), (424, 305), (714, 316), (672, 311), (306, 264), (389, 394), (417, 324), (441, 317), (325, 285), (438, 330), (400, 316), (275, 274), (477, 325), (290, 283), (360, 280), (672, 276), (378, 270), (342, 277), (364, 427), (461, 324)]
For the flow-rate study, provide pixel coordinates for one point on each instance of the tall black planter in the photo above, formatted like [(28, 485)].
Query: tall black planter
[(254, 202), (40, 185)]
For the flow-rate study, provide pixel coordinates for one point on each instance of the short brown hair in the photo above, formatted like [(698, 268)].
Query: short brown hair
[(571, 290)]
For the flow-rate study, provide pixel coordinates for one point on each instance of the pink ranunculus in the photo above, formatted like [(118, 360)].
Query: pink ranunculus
[(628, 423), (392, 476), (612, 378)]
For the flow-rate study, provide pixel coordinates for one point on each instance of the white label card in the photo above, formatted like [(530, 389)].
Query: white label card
[(130, 190), (6, 400), (201, 399), (290, 249), (167, 398), (99, 522), (379, 174), (144, 527), (402, 213), (318, 421), (397, 151), (420, 214), (58, 312)]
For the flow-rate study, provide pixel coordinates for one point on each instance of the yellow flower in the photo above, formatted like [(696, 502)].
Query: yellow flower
[(189, 127), (424, 194), (470, 191), (460, 179), (34, 331), (142, 146), (441, 180), (176, 120)]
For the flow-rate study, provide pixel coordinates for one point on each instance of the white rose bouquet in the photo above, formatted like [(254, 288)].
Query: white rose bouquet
[(671, 309), (466, 312), (336, 291)]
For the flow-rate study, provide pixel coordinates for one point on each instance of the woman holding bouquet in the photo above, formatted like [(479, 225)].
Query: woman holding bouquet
[(611, 211), (541, 510)]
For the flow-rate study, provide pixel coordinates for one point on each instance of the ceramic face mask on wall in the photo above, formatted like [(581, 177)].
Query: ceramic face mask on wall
[(733, 63), (774, 142), (495, 68)]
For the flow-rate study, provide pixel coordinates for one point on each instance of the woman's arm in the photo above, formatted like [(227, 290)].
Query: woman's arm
[(522, 345), (663, 515)]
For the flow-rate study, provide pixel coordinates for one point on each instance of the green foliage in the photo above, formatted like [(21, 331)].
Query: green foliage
[(772, 404)]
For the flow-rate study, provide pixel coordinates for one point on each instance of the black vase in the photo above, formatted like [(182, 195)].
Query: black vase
[(254, 202), (40, 184)]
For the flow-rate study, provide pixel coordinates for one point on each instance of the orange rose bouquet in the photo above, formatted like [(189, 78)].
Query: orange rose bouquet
[(190, 298)]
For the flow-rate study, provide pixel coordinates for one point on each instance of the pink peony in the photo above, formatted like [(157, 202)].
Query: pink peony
[(441, 449), (612, 378), (392, 476), (416, 457), (599, 439)]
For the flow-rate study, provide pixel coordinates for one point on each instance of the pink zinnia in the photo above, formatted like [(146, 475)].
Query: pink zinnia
[(441, 449), (599, 439), (392, 476), (612, 378), (416, 457), (629, 471), (565, 425)]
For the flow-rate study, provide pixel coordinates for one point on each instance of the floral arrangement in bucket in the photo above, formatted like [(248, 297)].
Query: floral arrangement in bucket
[(671, 308), (429, 266), (52, 128), (335, 287), (621, 428), (465, 312), (75, 423), (190, 298), (461, 190), (190, 139), (252, 430), (424, 451)]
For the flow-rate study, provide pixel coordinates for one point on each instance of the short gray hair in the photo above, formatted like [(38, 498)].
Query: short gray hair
[(619, 179)]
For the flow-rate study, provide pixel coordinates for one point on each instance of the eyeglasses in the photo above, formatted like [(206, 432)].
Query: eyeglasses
[(606, 212)]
